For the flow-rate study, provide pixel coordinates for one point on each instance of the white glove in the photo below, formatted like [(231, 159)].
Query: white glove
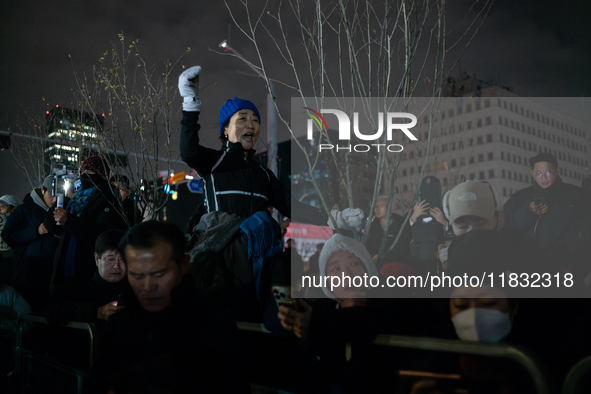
[(347, 219), (189, 89), (354, 218)]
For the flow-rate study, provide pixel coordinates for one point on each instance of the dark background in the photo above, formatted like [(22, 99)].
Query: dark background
[(538, 48)]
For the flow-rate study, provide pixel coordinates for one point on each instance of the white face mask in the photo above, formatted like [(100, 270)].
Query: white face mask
[(443, 256), (482, 324)]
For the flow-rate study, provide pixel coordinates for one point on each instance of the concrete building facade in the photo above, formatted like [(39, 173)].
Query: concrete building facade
[(491, 137)]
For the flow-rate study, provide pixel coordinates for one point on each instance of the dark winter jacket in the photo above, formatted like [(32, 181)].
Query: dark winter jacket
[(566, 223), (188, 347), (21, 231), (237, 186), (132, 212), (99, 215), (79, 301), (401, 252), (33, 253)]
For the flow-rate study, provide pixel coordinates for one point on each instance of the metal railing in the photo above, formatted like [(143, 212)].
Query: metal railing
[(581, 370), (31, 319), (497, 350), (24, 355), (254, 327), (432, 344)]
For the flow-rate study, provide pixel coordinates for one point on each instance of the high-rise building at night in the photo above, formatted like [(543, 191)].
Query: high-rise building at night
[(71, 135)]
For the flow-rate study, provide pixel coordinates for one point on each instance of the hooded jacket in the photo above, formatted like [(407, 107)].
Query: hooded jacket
[(33, 252), (21, 230), (340, 242)]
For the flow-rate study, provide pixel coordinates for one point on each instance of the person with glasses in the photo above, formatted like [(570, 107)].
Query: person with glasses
[(555, 214), (94, 300)]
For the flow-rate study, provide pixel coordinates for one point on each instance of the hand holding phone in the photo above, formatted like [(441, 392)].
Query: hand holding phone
[(297, 321), (105, 311), (538, 207), (282, 295)]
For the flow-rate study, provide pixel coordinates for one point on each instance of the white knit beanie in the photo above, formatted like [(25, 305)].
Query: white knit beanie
[(337, 243)]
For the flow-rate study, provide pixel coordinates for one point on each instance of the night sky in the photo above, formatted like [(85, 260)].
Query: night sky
[(538, 48)]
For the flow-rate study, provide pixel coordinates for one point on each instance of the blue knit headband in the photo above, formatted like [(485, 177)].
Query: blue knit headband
[(233, 106)]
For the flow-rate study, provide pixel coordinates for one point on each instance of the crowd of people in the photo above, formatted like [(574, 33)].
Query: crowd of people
[(166, 301)]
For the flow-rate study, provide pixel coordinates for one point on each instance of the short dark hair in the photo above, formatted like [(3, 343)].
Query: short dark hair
[(147, 234), (109, 240), (543, 156)]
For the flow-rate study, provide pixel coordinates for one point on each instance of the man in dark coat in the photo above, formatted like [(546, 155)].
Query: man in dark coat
[(96, 299), (33, 246), (553, 213), (169, 338)]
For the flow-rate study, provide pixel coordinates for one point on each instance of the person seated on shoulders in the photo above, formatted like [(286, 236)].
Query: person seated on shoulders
[(238, 192)]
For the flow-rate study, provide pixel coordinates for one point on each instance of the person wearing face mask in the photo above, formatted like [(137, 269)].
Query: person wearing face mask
[(486, 314), (495, 315), (93, 210), (482, 314)]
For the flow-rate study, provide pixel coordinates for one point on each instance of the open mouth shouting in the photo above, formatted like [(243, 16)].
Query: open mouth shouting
[(244, 127), (248, 137)]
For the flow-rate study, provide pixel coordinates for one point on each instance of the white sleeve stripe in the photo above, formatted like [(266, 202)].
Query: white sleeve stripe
[(266, 173), (217, 206), (242, 193), (206, 199), (219, 161)]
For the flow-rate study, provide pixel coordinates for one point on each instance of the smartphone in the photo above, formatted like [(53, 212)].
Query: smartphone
[(120, 300), (540, 200), (430, 190), (60, 203), (282, 295)]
